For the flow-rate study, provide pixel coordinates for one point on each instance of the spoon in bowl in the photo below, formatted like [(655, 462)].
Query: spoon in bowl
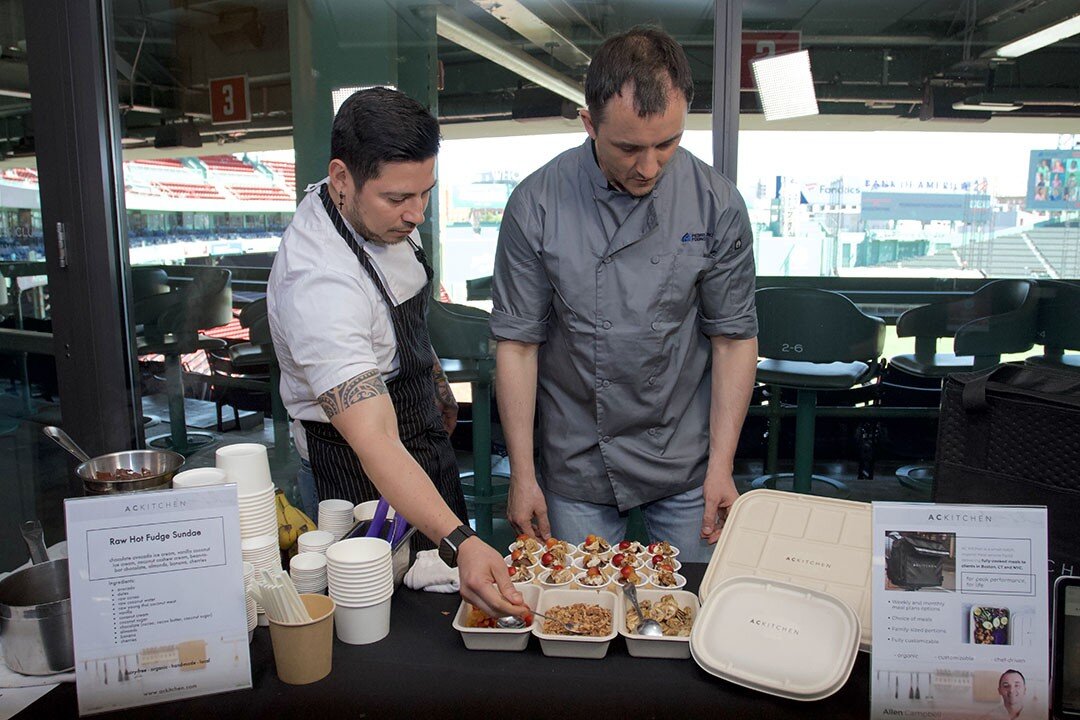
[(646, 626), (513, 622)]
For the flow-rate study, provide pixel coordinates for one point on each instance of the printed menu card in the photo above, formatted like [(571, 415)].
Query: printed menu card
[(960, 612), (157, 596)]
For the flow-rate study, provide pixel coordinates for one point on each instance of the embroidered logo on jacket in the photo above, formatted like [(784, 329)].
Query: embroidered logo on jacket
[(697, 237)]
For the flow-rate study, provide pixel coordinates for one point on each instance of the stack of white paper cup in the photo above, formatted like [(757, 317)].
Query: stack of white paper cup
[(263, 553), (361, 580), (314, 541), (252, 617), (308, 572), (247, 465), (199, 477), (336, 517)]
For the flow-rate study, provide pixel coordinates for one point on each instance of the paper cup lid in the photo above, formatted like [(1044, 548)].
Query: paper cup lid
[(776, 637)]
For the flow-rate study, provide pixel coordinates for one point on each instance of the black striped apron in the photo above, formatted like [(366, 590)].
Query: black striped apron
[(337, 469)]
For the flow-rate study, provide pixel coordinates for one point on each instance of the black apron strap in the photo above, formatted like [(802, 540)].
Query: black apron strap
[(338, 472)]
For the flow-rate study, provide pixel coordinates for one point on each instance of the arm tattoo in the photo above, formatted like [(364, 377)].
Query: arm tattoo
[(442, 387), (366, 385)]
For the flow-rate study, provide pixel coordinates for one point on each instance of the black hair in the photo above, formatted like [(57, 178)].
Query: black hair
[(1014, 672), (377, 126), (646, 56)]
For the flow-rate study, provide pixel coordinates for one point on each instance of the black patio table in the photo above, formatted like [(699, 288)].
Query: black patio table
[(423, 670)]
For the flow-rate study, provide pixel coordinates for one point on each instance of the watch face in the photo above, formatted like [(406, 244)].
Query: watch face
[(447, 553)]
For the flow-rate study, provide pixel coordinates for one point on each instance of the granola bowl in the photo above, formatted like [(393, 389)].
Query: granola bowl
[(672, 616), (591, 610), (496, 638)]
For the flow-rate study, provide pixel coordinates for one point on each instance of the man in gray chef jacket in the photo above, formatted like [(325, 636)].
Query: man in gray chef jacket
[(624, 313)]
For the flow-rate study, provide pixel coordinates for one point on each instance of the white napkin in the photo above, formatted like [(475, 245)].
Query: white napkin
[(431, 574)]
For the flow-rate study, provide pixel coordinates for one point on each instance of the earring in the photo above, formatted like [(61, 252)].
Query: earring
[(341, 199)]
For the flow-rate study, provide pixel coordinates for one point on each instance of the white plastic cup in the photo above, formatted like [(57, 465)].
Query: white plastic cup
[(247, 465), (362, 625), (200, 477)]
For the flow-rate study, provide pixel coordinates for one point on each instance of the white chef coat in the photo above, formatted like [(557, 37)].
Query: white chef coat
[(328, 320)]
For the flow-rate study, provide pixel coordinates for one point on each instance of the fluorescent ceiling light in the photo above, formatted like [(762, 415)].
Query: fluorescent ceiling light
[(785, 85), (464, 32), (340, 95), (986, 106), (1040, 39)]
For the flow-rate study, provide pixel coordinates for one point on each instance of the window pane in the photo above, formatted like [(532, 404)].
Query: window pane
[(36, 469), (922, 159)]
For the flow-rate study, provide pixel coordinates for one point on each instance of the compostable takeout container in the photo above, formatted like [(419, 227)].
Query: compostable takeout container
[(819, 543), (776, 637)]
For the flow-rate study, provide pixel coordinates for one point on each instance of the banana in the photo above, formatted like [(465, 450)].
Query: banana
[(292, 522)]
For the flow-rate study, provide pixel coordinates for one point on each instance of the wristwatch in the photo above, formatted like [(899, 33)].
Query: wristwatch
[(448, 548)]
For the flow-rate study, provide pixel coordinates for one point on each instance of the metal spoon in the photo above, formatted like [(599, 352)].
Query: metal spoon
[(513, 622), (64, 440), (647, 626)]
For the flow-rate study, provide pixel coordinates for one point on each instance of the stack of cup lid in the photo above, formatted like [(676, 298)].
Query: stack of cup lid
[(247, 465), (336, 517), (308, 572), (314, 541), (361, 582), (199, 477)]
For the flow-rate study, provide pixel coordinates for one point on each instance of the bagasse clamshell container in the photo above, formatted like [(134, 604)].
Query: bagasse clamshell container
[(815, 542), (577, 646), (497, 638), (658, 647), (776, 637)]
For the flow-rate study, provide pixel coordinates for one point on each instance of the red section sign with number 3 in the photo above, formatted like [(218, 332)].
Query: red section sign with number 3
[(229, 100)]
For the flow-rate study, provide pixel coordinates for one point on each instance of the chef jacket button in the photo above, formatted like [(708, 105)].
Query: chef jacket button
[(652, 381), (606, 383), (738, 244), (655, 325), (606, 438), (607, 325), (607, 260), (652, 431), (655, 259)]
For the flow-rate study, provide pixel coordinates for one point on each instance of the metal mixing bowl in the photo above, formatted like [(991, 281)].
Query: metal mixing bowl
[(162, 464)]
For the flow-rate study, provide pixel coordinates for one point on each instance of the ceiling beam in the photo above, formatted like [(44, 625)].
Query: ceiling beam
[(521, 20), (472, 36)]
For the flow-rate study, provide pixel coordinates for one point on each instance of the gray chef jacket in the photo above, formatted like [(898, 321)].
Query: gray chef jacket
[(622, 294)]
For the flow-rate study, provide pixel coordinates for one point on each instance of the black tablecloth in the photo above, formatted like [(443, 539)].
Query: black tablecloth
[(422, 670)]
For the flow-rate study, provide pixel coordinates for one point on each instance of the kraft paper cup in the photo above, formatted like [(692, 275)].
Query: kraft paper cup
[(247, 465), (364, 625), (199, 477), (303, 651)]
